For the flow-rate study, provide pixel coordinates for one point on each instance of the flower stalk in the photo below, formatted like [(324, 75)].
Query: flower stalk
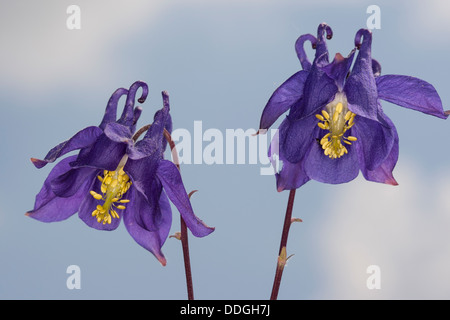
[(183, 228), (282, 256)]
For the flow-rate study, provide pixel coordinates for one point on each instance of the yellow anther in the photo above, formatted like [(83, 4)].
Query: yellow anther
[(348, 115), (342, 120), (114, 185), (96, 195)]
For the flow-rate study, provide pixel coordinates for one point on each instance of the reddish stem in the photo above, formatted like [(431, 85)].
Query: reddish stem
[(284, 237)]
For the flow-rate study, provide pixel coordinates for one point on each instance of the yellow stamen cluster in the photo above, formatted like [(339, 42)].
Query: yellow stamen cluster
[(337, 119), (114, 185)]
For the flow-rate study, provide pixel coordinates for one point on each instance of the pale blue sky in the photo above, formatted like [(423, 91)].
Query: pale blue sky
[(220, 61)]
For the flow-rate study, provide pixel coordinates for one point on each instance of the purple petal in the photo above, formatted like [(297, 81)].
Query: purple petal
[(104, 154), (50, 208), (118, 133), (321, 57), (339, 68), (283, 98), (80, 140), (374, 142), (360, 87), (318, 91), (301, 54), (111, 107), (154, 141), (150, 240), (321, 168), (67, 184), (291, 175), (172, 183), (376, 68), (296, 137), (410, 92), (128, 114), (383, 173)]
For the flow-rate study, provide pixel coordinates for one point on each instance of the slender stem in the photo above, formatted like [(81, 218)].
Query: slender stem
[(183, 231), (187, 261), (282, 252)]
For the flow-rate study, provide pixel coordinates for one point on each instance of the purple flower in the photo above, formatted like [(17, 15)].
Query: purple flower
[(336, 126), (112, 176)]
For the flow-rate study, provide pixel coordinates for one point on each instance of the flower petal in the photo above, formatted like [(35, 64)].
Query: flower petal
[(321, 168), (291, 175), (50, 208), (339, 68), (411, 93), (375, 140), (80, 140), (319, 90), (118, 133), (360, 87), (128, 114), (67, 184), (296, 137), (111, 107), (104, 154), (283, 98), (154, 142), (150, 240), (383, 173), (301, 54), (321, 57), (172, 183)]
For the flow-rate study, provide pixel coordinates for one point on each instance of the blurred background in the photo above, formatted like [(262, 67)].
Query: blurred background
[(220, 61)]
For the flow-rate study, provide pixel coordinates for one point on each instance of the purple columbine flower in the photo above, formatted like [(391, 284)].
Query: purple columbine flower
[(113, 176), (336, 126)]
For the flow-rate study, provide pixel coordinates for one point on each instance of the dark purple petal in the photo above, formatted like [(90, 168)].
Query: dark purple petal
[(118, 133), (321, 46), (283, 98), (301, 54), (67, 184), (339, 68), (80, 140), (128, 114), (296, 137), (376, 68), (291, 175), (360, 88), (142, 173), (154, 141), (111, 107), (321, 168), (172, 183), (105, 154), (411, 93), (318, 91), (152, 240), (89, 204), (383, 173), (137, 115), (374, 142), (50, 208)]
